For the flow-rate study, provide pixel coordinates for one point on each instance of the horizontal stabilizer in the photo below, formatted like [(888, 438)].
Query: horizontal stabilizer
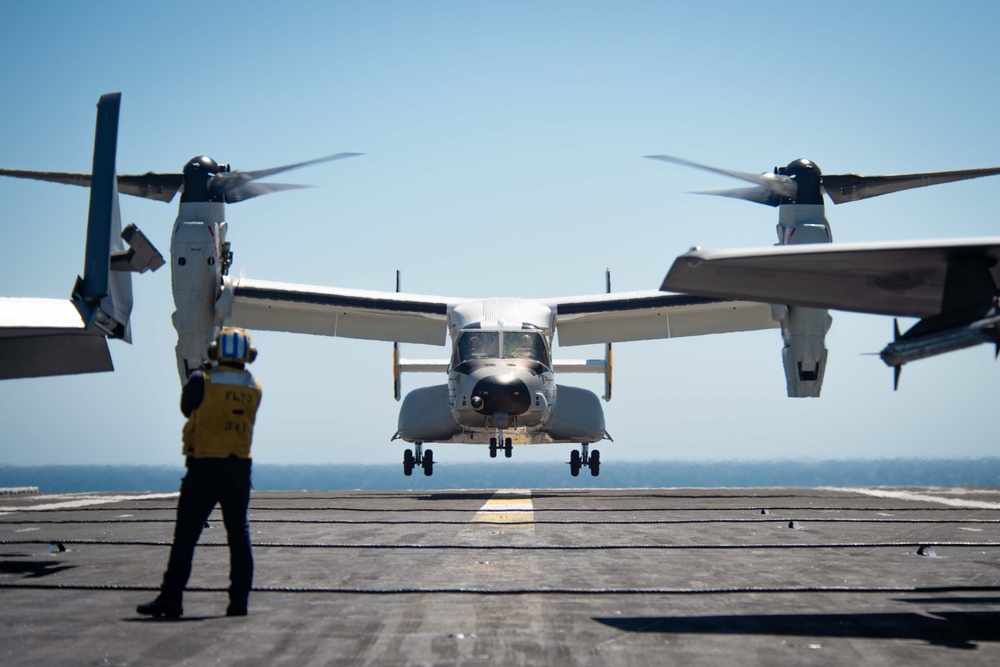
[(423, 365), (579, 366)]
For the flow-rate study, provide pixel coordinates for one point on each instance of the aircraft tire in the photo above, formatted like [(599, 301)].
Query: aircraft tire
[(574, 463)]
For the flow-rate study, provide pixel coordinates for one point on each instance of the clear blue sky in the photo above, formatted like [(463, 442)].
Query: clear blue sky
[(503, 150)]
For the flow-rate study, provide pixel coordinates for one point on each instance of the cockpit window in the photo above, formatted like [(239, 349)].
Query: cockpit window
[(487, 345), (524, 345), (479, 345)]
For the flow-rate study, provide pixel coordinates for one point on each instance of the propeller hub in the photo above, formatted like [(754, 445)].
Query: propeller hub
[(198, 173), (808, 180)]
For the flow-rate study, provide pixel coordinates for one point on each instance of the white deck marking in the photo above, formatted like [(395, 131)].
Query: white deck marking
[(507, 506), (921, 497), (81, 500)]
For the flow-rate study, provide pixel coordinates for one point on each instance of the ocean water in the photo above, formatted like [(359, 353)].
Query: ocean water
[(507, 474)]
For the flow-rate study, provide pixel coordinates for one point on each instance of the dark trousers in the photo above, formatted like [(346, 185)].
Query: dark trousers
[(209, 482)]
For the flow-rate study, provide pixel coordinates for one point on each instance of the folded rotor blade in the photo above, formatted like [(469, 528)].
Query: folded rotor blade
[(851, 187)]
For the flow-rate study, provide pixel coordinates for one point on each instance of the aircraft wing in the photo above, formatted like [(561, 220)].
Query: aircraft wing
[(901, 278), (43, 337), (651, 314), (332, 311)]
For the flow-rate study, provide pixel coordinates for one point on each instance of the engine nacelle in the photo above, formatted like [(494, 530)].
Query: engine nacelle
[(196, 280), (803, 331)]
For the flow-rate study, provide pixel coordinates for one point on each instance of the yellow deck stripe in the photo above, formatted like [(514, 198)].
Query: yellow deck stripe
[(507, 506)]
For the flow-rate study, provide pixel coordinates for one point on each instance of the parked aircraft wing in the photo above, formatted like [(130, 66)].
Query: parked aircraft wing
[(332, 311), (42, 337), (891, 278), (651, 314)]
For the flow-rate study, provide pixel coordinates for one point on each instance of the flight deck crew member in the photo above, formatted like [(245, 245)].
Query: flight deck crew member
[(221, 406)]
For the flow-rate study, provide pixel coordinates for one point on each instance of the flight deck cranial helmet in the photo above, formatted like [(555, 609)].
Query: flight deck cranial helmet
[(232, 346)]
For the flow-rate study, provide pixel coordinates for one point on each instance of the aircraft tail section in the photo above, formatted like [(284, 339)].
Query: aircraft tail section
[(45, 337), (104, 293)]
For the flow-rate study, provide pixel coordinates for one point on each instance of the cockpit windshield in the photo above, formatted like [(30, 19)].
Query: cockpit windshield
[(501, 344), (524, 345), (479, 345)]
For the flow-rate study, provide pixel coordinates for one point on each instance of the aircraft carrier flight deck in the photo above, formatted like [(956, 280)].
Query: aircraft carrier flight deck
[(874, 576)]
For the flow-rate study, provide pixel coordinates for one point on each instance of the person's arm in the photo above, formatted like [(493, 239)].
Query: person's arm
[(193, 393)]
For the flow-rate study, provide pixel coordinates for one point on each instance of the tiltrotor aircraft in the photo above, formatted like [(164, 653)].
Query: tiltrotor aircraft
[(951, 284), (44, 337), (500, 388)]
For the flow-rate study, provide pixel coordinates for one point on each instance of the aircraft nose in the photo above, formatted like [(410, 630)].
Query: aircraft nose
[(503, 393)]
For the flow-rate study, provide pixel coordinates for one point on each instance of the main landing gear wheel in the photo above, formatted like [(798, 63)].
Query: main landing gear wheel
[(595, 463), (574, 463), (583, 457), (412, 458), (508, 448)]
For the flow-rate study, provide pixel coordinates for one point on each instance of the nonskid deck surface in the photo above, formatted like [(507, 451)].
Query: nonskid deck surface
[(517, 576)]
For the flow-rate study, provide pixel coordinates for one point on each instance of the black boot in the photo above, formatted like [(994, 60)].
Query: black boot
[(236, 609), (237, 602), (161, 606)]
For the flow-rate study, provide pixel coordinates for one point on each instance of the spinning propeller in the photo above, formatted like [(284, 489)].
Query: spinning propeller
[(203, 180), (802, 182)]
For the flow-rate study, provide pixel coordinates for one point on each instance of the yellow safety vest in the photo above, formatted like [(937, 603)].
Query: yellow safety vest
[(222, 425)]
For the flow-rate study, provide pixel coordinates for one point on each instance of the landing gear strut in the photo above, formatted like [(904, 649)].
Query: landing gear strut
[(418, 457), (584, 457)]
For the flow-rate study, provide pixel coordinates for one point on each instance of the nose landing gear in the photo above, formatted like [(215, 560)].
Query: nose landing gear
[(508, 446), (418, 457), (584, 457)]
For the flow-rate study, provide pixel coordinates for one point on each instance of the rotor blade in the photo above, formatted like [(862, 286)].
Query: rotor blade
[(851, 187), (151, 185), (50, 176), (251, 190), (778, 184), (227, 182), (759, 194)]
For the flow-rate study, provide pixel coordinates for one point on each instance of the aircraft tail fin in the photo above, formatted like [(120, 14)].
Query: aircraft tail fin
[(607, 346), (397, 373), (104, 293)]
